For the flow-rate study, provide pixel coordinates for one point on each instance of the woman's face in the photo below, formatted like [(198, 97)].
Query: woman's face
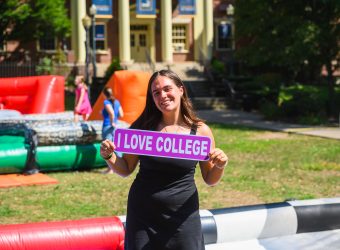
[(166, 94)]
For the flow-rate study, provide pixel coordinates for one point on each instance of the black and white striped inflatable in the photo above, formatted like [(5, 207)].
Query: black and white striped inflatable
[(299, 224), (292, 225)]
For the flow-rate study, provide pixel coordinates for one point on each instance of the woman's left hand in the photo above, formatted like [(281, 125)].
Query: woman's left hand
[(218, 158)]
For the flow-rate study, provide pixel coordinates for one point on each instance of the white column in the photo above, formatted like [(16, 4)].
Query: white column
[(198, 30), (208, 29), (152, 41), (78, 11), (124, 32), (166, 21)]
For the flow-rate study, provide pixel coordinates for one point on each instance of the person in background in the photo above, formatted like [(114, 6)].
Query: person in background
[(82, 106), (111, 112), (163, 204)]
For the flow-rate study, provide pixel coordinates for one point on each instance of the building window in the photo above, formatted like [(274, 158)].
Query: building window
[(224, 36), (100, 37), (132, 40), (180, 37), (138, 27), (47, 43)]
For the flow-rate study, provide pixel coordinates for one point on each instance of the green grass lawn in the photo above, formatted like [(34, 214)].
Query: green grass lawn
[(263, 167)]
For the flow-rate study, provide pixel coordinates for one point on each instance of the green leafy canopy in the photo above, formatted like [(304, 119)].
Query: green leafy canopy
[(281, 33), (32, 19)]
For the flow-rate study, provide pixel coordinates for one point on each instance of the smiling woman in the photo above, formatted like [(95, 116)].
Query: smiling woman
[(163, 205)]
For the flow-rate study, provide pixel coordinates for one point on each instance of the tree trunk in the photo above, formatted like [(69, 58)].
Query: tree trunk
[(330, 82)]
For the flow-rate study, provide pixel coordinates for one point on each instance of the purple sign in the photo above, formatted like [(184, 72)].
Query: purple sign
[(143, 142)]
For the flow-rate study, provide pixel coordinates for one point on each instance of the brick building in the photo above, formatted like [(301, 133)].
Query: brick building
[(144, 31)]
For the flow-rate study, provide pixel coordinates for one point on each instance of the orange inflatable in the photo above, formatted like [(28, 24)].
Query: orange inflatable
[(33, 94), (129, 88)]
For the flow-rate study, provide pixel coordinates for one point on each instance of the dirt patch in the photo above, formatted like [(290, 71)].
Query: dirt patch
[(271, 135), (216, 197), (236, 198)]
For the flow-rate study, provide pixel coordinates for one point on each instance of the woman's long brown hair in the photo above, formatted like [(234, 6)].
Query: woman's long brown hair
[(152, 116)]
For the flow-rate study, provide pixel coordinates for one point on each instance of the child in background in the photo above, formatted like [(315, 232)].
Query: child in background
[(82, 104), (111, 112)]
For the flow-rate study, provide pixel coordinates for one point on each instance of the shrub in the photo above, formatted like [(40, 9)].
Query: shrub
[(303, 103), (114, 66), (45, 66), (270, 110), (217, 68), (270, 81), (258, 93)]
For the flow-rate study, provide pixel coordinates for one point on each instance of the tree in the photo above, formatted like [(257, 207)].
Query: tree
[(12, 12), (290, 37), (31, 20)]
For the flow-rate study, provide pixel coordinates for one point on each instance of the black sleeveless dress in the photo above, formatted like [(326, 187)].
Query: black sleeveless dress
[(163, 206)]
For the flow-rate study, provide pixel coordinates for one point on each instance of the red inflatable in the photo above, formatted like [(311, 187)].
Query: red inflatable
[(90, 234), (33, 95)]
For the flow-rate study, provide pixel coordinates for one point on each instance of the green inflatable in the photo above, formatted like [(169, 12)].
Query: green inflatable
[(14, 155), (69, 157)]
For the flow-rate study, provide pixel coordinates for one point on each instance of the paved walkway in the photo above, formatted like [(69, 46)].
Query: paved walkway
[(255, 120)]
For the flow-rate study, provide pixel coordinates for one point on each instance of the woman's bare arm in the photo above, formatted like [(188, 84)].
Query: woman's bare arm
[(122, 166), (213, 169)]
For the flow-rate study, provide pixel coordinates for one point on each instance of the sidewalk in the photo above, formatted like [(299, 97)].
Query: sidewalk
[(237, 117)]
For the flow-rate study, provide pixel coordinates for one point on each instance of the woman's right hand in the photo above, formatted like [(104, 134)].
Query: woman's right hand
[(107, 149), (122, 166)]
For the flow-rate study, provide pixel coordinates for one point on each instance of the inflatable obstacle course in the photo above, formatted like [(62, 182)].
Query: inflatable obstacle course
[(130, 88), (54, 132), (303, 225), (35, 142), (89, 234), (70, 157), (298, 224), (33, 94)]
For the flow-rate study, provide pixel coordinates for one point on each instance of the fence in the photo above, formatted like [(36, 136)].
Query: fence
[(11, 69), (15, 69)]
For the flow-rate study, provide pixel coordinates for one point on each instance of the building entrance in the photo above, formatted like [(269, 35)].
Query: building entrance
[(139, 43)]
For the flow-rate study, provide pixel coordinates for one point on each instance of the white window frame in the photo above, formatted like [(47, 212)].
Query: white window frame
[(104, 39), (224, 21), (184, 47)]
